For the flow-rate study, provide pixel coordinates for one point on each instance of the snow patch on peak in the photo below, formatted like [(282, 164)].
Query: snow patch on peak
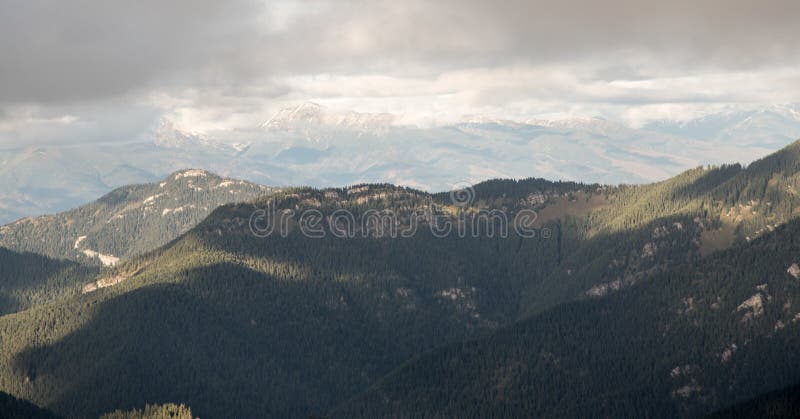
[(190, 173), (168, 135), (487, 120), (582, 123), (591, 124), (312, 115)]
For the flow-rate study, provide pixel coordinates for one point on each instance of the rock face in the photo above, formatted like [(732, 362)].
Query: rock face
[(103, 283), (794, 271), (753, 307)]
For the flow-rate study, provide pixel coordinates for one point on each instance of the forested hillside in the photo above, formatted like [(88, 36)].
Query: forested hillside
[(633, 232), (13, 408), (129, 220), (236, 323), (685, 343), (28, 279), (779, 404)]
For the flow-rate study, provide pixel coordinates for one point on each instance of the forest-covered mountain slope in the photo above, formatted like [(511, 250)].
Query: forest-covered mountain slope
[(236, 325), (685, 343), (620, 236), (129, 220), (778, 404), (14, 408), (297, 324), (283, 326), (28, 279)]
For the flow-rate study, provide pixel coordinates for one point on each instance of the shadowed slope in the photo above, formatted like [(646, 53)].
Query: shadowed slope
[(27, 279), (13, 408), (685, 343)]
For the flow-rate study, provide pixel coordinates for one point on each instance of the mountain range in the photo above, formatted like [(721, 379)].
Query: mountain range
[(313, 145), (670, 299)]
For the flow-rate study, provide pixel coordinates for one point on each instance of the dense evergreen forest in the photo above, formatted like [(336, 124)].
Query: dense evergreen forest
[(14, 408), (29, 279), (661, 300), (778, 404), (685, 343)]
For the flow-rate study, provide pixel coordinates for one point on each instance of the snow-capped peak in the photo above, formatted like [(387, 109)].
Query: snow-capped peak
[(311, 115), (170, 136), (483, 119), (791, 111), (591, 124), (572, 123), (305, 112)]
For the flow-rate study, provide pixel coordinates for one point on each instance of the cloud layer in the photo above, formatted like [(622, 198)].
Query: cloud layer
[(217, 65)]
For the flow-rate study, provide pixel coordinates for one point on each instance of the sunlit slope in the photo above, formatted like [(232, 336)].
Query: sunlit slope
[(129, 220)]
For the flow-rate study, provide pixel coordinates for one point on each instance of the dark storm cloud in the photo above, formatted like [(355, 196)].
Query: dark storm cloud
[(478, 32), (63, 51)]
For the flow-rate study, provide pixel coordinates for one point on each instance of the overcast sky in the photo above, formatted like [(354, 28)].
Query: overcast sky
[(106, 70)]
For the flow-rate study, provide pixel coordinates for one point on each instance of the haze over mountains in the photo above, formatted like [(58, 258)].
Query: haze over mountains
[(309, 144)]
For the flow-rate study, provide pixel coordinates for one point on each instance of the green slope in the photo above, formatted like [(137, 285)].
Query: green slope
[(642, 230)]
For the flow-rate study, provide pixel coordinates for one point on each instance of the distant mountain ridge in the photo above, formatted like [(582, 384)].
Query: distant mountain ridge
[(309, 116), (129, 220), (770, 126), (310, 144)]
